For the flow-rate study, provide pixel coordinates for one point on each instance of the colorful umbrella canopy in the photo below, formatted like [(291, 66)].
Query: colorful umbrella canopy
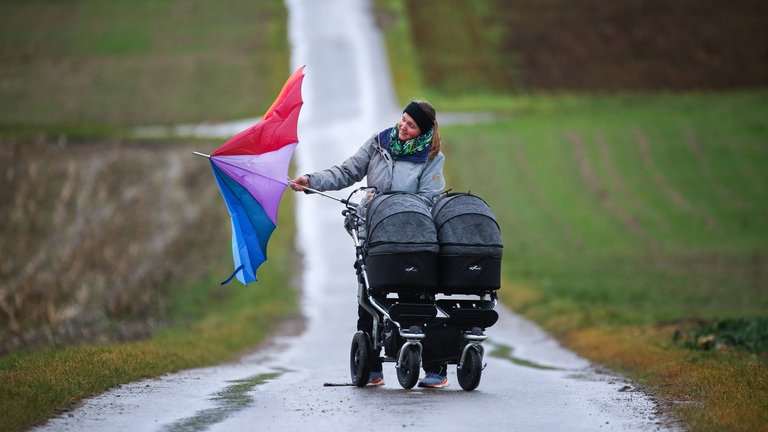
[(251, 170)]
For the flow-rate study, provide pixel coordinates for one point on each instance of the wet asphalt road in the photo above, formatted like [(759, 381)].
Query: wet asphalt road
[(529, 384)]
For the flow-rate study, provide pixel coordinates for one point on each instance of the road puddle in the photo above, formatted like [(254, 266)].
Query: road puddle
[(504, 352), (229, 400)]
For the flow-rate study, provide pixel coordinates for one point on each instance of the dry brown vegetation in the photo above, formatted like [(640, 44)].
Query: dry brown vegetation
[(684, 381), (94, 234)]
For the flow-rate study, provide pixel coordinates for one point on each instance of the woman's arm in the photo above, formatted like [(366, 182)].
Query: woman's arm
[(348, 173)]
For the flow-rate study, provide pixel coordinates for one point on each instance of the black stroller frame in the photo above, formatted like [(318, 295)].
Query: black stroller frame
[(425, 322)]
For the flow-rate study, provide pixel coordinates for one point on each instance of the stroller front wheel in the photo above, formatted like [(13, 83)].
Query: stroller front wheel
[(471, 370), (360, 359), (408, 370)]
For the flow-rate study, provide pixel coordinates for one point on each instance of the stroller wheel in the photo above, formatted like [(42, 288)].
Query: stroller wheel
[(471, 369), (360, 359), (408, 371)]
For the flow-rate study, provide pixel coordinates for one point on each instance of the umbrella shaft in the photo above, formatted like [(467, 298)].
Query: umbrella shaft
[(343, 201)]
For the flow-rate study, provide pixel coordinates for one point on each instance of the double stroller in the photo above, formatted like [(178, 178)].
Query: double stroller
[(428, 277)]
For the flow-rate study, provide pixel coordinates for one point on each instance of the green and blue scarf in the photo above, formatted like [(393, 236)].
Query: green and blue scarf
[(411, 147)]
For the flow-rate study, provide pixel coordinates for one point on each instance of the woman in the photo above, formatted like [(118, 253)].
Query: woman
[(403, 158)]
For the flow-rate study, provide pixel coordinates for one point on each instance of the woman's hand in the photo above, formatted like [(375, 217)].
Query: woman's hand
[(299, 183)]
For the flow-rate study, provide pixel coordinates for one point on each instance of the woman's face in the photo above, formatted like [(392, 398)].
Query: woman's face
[(407, 128)]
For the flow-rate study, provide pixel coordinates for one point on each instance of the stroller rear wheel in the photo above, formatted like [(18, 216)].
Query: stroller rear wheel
[(408, 370), (360, 359), (471, 369)]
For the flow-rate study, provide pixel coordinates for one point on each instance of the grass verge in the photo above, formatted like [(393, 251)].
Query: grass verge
[(214, 324)]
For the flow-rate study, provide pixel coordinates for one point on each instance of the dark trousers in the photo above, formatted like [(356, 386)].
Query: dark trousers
[(365, 323)]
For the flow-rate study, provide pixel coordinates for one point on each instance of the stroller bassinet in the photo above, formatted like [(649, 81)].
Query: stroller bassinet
[(470, 245), (401, 249)]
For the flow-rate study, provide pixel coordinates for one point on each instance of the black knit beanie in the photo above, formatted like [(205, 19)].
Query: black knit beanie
[(419, 116)]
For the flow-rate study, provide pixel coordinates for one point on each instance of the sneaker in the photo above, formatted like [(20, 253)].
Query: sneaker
[(376, 379), (433, 380)]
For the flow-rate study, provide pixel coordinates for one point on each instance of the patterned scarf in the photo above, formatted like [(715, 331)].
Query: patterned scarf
[(400, 148)]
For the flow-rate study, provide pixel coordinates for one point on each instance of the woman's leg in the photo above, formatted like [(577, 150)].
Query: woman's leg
[(365, 323)]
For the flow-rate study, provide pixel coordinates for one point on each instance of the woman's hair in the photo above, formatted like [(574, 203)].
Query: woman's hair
[(430, 110)]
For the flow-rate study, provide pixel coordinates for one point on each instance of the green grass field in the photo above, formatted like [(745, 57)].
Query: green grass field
[(645, 208), (87, 64), (644, 213)]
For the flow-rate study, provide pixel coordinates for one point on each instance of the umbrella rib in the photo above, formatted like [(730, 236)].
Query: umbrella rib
[(224, 162)]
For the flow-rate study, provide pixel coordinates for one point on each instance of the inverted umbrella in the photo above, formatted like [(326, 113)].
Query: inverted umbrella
[(251, 169)]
